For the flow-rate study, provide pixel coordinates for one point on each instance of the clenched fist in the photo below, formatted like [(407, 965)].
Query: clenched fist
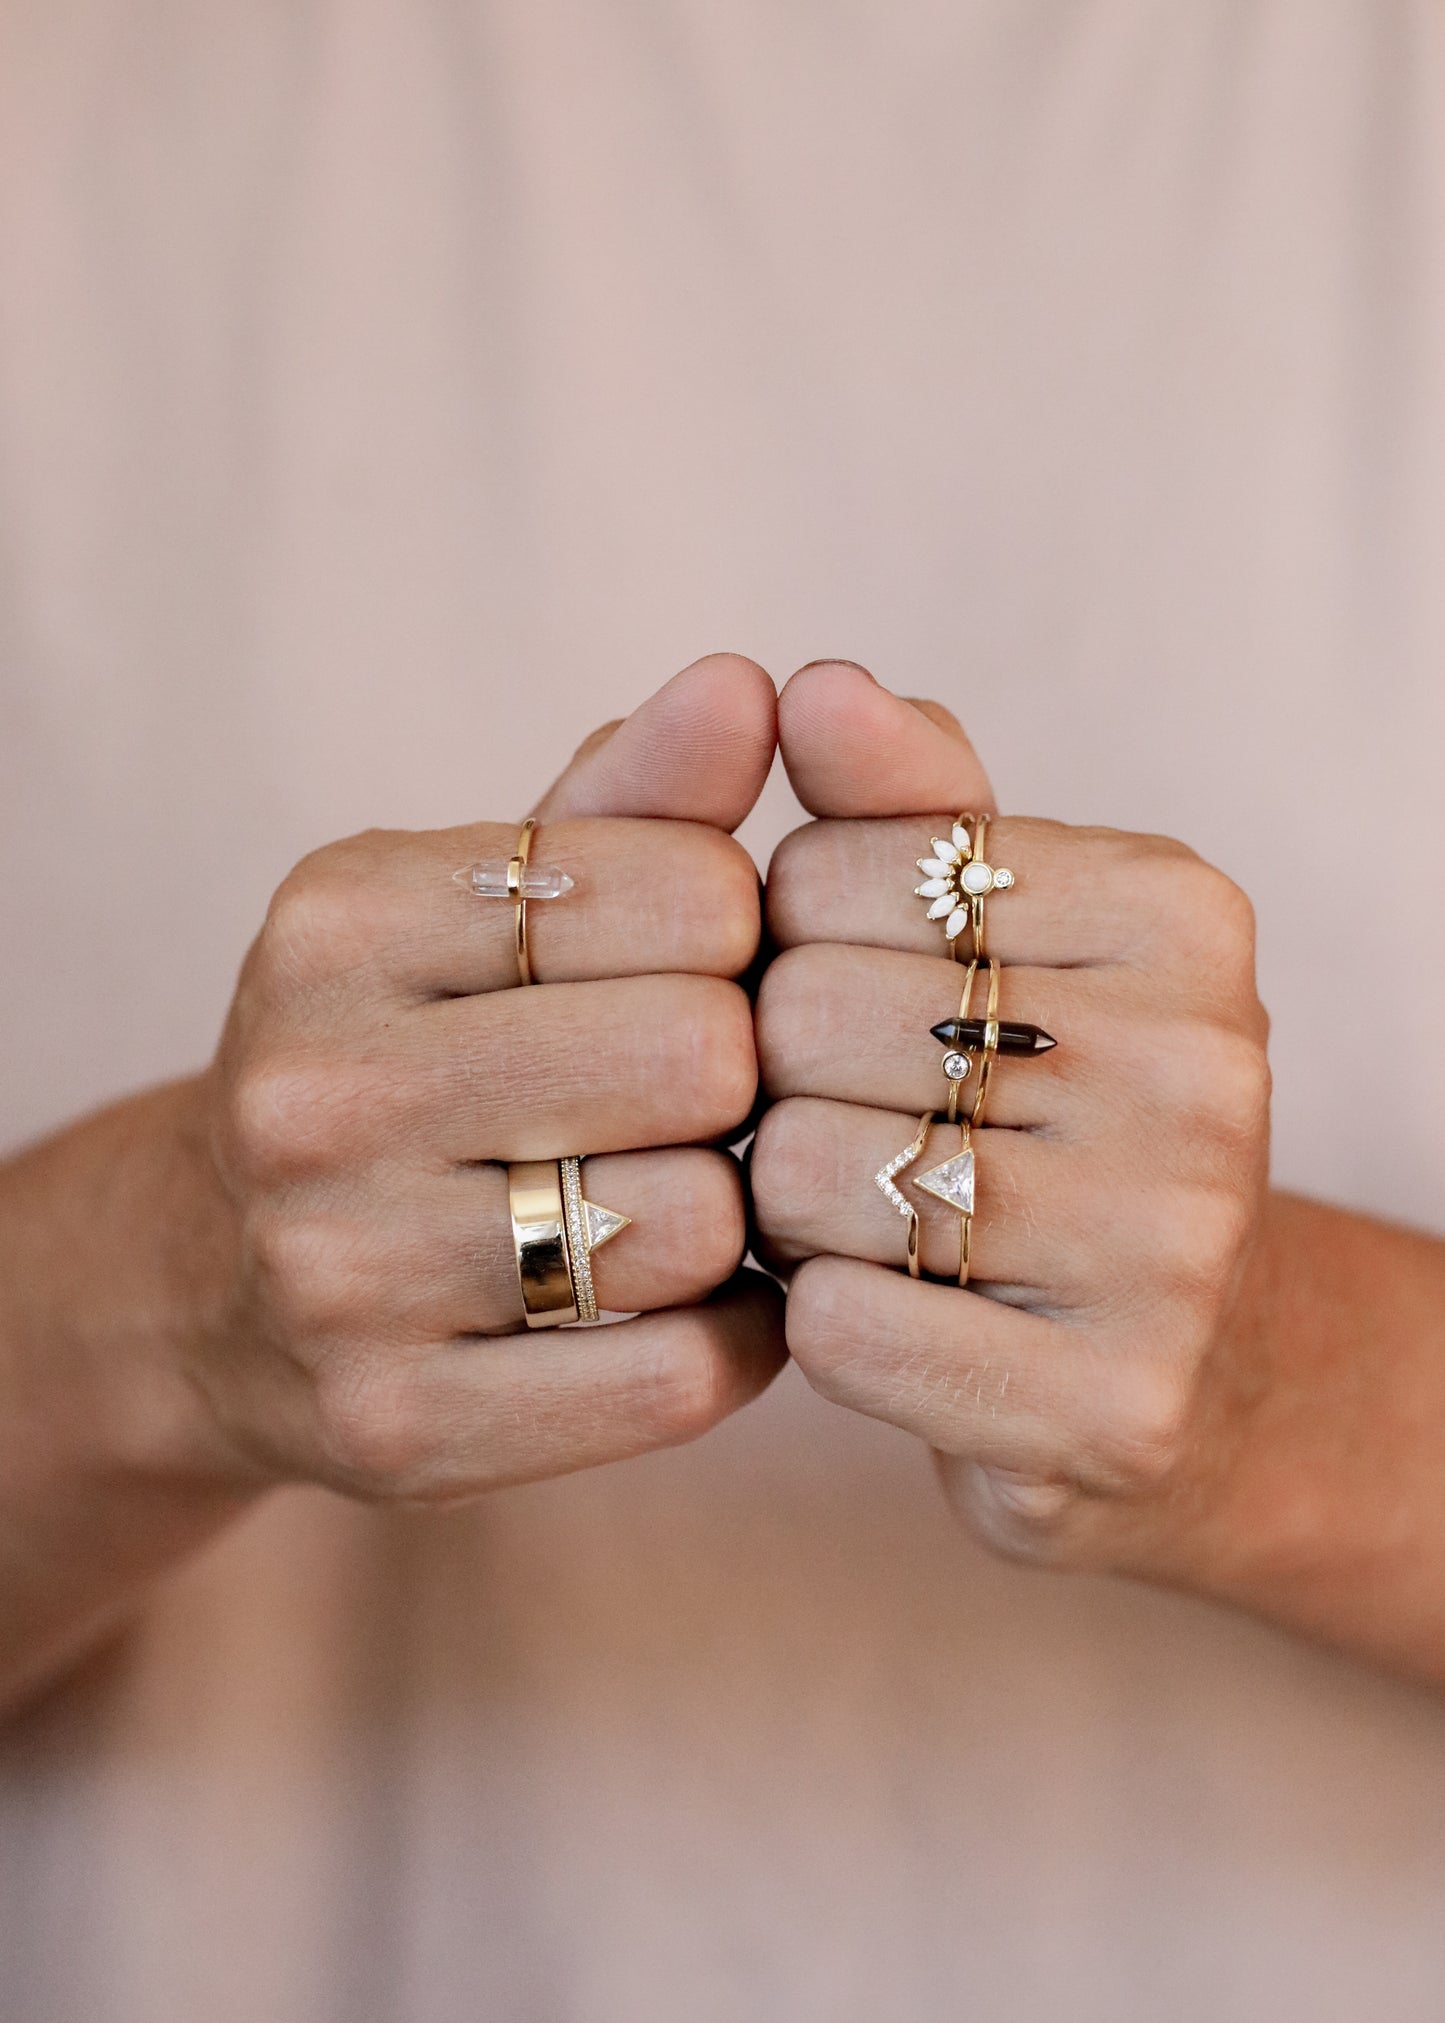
[(1120, 1177), (381, 1067)]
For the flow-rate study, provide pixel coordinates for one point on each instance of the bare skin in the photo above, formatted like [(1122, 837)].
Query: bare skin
[(1161, 1368), (298, 1267), (295, 1267)]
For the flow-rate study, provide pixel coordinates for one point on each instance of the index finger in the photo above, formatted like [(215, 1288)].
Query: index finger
[(400, 909), (1079, 898)]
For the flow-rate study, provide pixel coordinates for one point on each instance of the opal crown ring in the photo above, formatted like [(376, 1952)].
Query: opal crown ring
[(957, 879)]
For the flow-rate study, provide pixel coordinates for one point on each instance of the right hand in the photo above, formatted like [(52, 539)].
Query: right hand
[(379, 1068)]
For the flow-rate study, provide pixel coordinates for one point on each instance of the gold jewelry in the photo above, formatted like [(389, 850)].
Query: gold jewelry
[(515, 870), (588, 1228), (956, 1065), (539, 1237), (884, 1178), (956, 881), (953, 1183), (554, 1232), (518, 880)]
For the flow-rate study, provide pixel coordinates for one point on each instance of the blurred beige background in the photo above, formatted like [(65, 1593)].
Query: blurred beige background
[(389, 392)]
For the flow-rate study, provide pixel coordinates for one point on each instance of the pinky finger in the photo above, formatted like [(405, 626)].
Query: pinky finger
[(468, 1417)]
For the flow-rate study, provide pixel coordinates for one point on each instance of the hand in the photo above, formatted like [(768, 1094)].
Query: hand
[(380, 1066), (1121, 1177)]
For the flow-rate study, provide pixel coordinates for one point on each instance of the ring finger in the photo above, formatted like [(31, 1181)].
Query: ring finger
[(433, 1259), (1035, 1233)]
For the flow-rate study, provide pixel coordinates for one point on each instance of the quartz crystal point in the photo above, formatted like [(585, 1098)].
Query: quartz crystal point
[(539, 881)]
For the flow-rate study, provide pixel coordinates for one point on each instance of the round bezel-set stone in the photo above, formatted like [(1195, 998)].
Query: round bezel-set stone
[(976, 879), (956, 1066)]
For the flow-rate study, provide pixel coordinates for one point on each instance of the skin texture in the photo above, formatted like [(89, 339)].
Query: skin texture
[(298, 1266), (1160, 1368)]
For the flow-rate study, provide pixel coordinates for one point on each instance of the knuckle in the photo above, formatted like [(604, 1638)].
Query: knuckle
[(805, 862), (796, 1010), (308, 1279), (731, 902), (1140, 1444), (687, 1391), (1198, 1235), (713, 1053), (1240, 1088), (375, 1434), (819, 1321), (709, 1226), (1201, 911), (324, 916), (290, 1119), (784, 1166)]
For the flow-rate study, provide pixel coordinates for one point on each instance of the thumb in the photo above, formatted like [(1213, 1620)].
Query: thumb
[(852, 748), (699, 750)]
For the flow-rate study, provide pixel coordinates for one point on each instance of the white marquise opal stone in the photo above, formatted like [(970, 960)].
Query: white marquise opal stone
[(539, 881), (933, 867), (957, 921), (952, 1182), (945, 852), (960, 837), (941, 906), (932, 888)]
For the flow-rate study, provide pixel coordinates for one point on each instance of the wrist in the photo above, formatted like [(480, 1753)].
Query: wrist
[(116, 1266)]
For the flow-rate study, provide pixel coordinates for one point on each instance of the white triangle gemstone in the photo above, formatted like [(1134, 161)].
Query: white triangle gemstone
[(952, 1182), (602, 1224)]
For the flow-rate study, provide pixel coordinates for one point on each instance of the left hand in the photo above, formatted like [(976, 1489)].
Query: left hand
[(1121, 1177)]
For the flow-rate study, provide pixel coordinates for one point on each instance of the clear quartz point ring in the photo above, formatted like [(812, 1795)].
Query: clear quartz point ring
[(539, 881)]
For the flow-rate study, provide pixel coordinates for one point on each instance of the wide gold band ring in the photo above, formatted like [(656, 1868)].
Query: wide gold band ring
[(555, 1230)]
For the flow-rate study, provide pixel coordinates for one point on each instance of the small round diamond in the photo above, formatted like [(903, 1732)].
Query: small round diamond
[(956, 1066), (1003, 880), (977, 879)]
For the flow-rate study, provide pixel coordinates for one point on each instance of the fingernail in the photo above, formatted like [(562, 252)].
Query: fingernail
[(833, 660)]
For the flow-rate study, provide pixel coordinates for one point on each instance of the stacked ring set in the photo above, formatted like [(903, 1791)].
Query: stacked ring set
[(555, 1229), (957, 879)]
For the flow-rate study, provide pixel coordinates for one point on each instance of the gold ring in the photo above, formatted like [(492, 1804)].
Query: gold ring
[(515, 870), (957, 879), (520, 881), (951, 1183), (957, 1064), (884, 1178), (554, 1233)]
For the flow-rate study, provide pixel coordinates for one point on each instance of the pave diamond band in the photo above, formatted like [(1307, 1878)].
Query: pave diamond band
[(884, 1179), (588, 1228)]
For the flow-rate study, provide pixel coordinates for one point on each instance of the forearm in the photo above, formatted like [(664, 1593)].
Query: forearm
[(1314, 1490), (110, 1469)]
